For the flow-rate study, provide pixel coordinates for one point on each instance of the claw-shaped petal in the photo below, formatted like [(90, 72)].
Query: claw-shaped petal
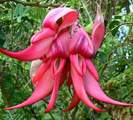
[(42, 89), (33, 52), (57, 78), (93, 88), (80, 89)]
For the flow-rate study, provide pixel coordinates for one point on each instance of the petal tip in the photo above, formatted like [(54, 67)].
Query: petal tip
[(99, 15)]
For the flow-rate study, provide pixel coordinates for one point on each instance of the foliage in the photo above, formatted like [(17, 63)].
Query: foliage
[(18, 22)]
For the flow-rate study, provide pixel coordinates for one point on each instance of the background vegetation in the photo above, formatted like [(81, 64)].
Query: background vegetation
[(18, 22)]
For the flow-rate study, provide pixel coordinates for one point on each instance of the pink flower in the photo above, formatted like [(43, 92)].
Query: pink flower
[(62, 50)]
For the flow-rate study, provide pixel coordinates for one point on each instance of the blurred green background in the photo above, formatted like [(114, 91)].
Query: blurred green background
[(19, 20)]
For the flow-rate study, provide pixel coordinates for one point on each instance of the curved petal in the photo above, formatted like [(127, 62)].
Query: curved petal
[(74, 102), (98, 29), (64, 15), (80, 90), (93, 88), (57, 78), (92, 69), (42, 89), (33, 52), (42, 35)]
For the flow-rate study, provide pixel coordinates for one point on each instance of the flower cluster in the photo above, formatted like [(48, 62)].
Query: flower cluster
[(63, 51)]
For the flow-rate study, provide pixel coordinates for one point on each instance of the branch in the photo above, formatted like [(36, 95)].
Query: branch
[(32, 4)]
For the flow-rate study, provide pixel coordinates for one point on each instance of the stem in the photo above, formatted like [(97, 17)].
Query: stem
[(53, 118), (32, 4), (74, 113)]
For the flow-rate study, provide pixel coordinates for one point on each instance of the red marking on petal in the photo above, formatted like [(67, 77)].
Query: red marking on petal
[(43, 34), (33, 52), (68, 20), (57, 78), (68, 16), (74, 102), (93, 88), (83, 66), (98, 29), (69, 80), (42, 89), (80, 89), (65, 73), (92, 69)]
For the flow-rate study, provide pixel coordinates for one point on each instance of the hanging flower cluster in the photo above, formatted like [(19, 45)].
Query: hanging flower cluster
[(62, 50)]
